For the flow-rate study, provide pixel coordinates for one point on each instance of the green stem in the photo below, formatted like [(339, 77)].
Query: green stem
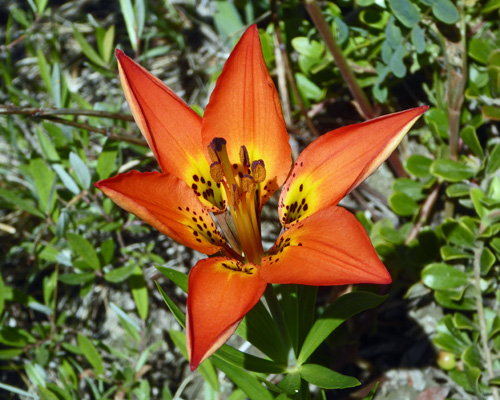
[(274, 307), (481, 318), (345, 70)]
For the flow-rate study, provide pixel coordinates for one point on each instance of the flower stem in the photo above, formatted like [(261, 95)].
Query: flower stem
[(480, 316), (359, 95)]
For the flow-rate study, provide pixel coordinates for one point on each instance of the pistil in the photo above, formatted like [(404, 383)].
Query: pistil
[(240, 193)]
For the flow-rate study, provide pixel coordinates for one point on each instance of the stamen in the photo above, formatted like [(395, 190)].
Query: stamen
[(259, 171), (244, 160), (212, 153), (216, 172), (236, 195), (247, 183)]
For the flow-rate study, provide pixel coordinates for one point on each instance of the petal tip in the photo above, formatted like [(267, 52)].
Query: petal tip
[(193, 365)]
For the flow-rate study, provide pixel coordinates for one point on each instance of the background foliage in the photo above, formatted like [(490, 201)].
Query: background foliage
[(80, 314)]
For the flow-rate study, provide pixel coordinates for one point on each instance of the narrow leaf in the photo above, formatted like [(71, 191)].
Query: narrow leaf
[(90, 353), (334, 315)]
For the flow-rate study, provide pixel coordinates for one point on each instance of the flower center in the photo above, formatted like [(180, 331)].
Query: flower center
[(242, 230)]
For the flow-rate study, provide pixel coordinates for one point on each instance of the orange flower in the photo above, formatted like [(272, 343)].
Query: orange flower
[(218, 172)]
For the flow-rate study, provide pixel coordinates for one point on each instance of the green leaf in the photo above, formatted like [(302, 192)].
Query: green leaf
[(246, 382), (490, 6), (476, 196), (444, 298), (76, 279), (227, 20), (452, 253), (87, 49), (66, 179), (15, 337), (325, 378), (458, 190), (290, 383), (107, 44), (459, 234), (44, 182), (249, 362), (441, 276), (308, 88), (20, 16), (418, 39), (178, 314), (494, 159), (491, 112), (405, 11), (335, 314), (290, 308), (139, 292), (81, 170), (260, 329), (46, 394), (469, 136), (410, 187), (180, 279), (393, 34), (40, 5), (402, 204), (128, 323), (106, 163), (17, 202), (46, 146), (445, 11), (473, 375), (43, 67), (418, 165), (397, 65), (307, 47), (117, 275), (84, 249), (487, 261), (480, 49), (450, 170), (90, 353)]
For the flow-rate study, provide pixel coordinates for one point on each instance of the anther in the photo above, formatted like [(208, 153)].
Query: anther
[(216, 172), (244, 160), (212, 153), (247, 183), (218, 143), (236, 195), (259, 171)]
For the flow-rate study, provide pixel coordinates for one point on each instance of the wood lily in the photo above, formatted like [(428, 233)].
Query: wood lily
[(217, 173)]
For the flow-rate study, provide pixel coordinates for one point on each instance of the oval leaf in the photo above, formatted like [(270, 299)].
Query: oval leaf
[(441, 276), (451, 170)]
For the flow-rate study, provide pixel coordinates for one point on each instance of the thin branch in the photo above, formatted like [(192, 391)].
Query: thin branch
[(41, 112), (102, 131), (424, 212), (367, 111)]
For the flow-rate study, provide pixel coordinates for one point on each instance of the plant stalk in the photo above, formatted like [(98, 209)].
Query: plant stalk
[(357, 92), (480, 316)]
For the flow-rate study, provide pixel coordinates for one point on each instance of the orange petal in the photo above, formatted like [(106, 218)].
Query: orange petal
[(220, 292), (334, 164), (171, 127), (244, 109), (167, 204), (328, 248)]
